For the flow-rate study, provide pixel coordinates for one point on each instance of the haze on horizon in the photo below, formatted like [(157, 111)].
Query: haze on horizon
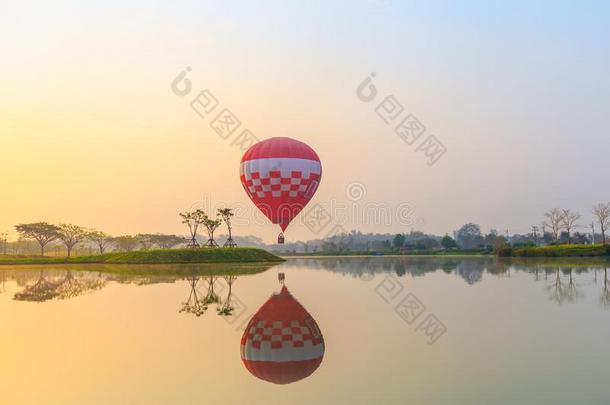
[(92, 134)]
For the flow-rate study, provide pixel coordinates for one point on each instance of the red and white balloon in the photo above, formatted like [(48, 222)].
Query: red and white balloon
[(280, 176)]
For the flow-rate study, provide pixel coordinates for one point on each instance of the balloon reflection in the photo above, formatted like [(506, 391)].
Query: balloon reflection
[(282, 343)]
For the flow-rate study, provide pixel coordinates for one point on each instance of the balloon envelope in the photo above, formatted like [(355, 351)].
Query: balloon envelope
[(282, 342), (280, 175)]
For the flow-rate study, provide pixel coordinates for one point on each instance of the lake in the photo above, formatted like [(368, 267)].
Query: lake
[(343, 331)]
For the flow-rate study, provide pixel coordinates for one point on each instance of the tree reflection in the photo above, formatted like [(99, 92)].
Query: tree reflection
[(68, 286), (572, 292), (211, 297), (194, 305), (605, 297), (562, 292), (557, 289), (42, 290), (197, 302), (226, 308), (470, 271)]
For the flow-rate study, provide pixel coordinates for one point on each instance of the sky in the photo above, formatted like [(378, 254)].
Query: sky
[(92, 133)]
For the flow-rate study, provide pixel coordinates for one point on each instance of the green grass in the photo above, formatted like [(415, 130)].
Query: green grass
[(557, 251), (160, 256)]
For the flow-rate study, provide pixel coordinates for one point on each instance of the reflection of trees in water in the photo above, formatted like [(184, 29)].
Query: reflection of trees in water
[(605, 297), (573, 293), (561, 288), (46, 288), (198, 302), (561, 291), (211, 297), (557, 289), (470, 271), (449, 266), (41, 290), (226, 307), (70, 287), (194, 304)]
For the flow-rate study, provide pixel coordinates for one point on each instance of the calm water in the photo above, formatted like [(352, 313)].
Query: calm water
[(396, 331)]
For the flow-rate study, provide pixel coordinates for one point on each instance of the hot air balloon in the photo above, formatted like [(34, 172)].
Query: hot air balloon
[(280, 175), (282, 343)]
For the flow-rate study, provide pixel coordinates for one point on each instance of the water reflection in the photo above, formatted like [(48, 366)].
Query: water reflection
[(282, 343), (56, 284), (50, 286), (564, 291), (194, 304), (561, 280), (560, 276), (605, 297), (226, 308), (203, 291)]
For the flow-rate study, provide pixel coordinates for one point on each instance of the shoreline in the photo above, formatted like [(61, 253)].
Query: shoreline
[(155, 257)]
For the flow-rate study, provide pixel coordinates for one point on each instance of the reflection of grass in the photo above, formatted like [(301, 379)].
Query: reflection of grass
[(557, 251), (180, 270), (158, 256)]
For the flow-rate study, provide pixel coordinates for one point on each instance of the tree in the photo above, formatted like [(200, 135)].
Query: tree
[(71, 235), (100, 239), (490, 239), (469, 236), (125, 243), (499, 243), (211, 225), (399, 240), (193, 219), (42, 232), (448, 242), (554, 220), (426, 243), (4, 240), (568, 220), (166, 241), (602, 212), (226, 214), (145, 240)]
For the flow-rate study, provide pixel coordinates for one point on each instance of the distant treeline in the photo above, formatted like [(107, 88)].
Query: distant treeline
[(560, 226)]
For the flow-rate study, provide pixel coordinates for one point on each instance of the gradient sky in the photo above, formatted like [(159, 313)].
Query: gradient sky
[(91, 133)]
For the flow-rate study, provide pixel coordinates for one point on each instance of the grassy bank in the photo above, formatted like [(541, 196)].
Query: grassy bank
[(161, 256), (557, 251)]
